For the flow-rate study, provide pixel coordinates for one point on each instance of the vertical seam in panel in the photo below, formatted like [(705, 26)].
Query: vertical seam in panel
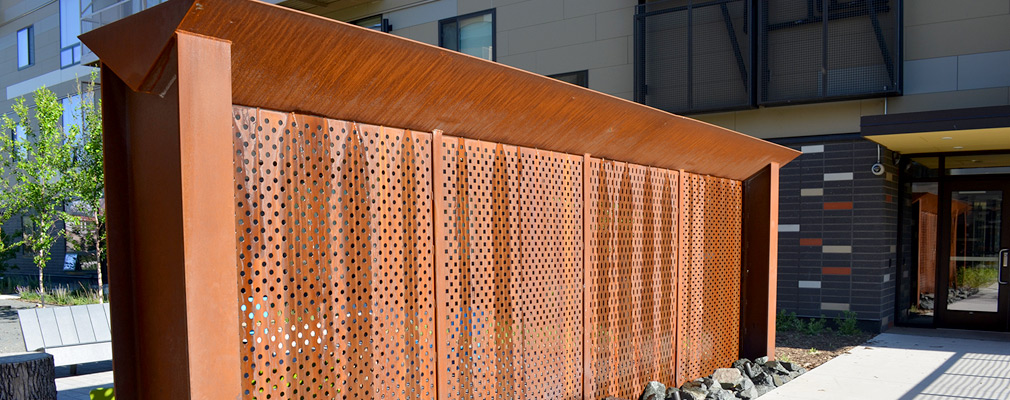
[(585, 275), (681, 206), (437, 204)]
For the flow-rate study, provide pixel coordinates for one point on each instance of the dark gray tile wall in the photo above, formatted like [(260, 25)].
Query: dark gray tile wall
[(836, 248)]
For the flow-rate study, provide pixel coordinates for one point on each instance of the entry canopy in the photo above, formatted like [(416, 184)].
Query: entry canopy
[(287, 60), (965, 129)]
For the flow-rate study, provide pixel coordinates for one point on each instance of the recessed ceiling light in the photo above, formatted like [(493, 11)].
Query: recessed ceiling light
[(946, 138), (958, 147)]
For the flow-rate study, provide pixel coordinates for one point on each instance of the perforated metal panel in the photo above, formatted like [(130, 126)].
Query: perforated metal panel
[(509, 228), (631, 277), (341, 233), (336, 273), (709, 317)]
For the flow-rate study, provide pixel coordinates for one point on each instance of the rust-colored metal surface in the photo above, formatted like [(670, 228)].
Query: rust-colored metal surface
[(631, 277), (759, 276), (510, 271), (336, 275), (431, 88), (171, 240), (709, 314)]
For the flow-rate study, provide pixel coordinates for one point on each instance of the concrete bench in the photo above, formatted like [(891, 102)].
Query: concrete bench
[(73, 335)]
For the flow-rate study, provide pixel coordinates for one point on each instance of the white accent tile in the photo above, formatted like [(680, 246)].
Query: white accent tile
[(894, 248), (812, 192), (836, 249), (809, 284), (887, 277), (789, 228), (835, 306), (838, 176), (818, 148)]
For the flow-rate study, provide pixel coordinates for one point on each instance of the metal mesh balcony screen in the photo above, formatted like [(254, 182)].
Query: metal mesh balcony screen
[(807, 57), (693, 56)]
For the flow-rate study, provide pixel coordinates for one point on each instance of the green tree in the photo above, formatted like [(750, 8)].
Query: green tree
[(36, 177), (89, 175)]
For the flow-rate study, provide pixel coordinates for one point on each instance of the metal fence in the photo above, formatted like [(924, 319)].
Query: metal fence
[(385, 263)]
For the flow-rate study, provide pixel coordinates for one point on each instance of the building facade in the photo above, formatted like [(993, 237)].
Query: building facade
[(39, 47), (900, 108)]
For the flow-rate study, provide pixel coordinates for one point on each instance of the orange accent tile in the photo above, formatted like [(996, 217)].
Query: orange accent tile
[(888, 198), (844, 205), (836, 271), (811, 242)]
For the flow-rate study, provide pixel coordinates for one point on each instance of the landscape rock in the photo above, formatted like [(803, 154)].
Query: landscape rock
[(776, 367), (761, 360), (728, 378), (688, 396), (720, 395), (762, 389), (777, 381), (673, 394), (697, 390), (653, 391), (763, 378), (751, 370), (740, 363), (749, 393)]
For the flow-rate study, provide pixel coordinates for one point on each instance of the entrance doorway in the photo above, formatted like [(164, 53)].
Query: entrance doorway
[(955, 240), (973, 256)]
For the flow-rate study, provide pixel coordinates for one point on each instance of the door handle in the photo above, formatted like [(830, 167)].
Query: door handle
[(1004, 262)]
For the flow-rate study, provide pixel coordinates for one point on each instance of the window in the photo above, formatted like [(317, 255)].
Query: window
[(70, 28), (72, 113), (577, 78), (18, 136), (375, 22), (26, 47), (472, 34)]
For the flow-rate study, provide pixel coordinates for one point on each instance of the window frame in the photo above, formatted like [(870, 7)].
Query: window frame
[(456, 19), (30, 39), (384, 25), (74, 48), (581, 77)]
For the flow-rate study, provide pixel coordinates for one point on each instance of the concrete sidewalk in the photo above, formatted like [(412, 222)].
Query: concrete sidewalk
[(906, 364), (89, 376)]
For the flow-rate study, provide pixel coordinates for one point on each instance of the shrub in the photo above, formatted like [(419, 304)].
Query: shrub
[(787, 322), (816, 326), (847, 324)]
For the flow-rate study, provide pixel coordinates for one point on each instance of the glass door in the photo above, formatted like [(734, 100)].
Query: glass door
[(973, 262)]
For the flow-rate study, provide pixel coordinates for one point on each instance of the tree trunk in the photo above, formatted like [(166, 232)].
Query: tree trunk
[(98, 258), (30, 376), (42, 288)]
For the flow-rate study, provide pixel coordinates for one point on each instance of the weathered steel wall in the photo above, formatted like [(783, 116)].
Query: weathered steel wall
[(336, 275), (631, 307), (709, 317), (384, 263), (509, 242)]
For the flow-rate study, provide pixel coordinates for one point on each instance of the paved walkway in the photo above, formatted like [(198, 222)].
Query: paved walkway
[(911, 364), (89, 376)]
